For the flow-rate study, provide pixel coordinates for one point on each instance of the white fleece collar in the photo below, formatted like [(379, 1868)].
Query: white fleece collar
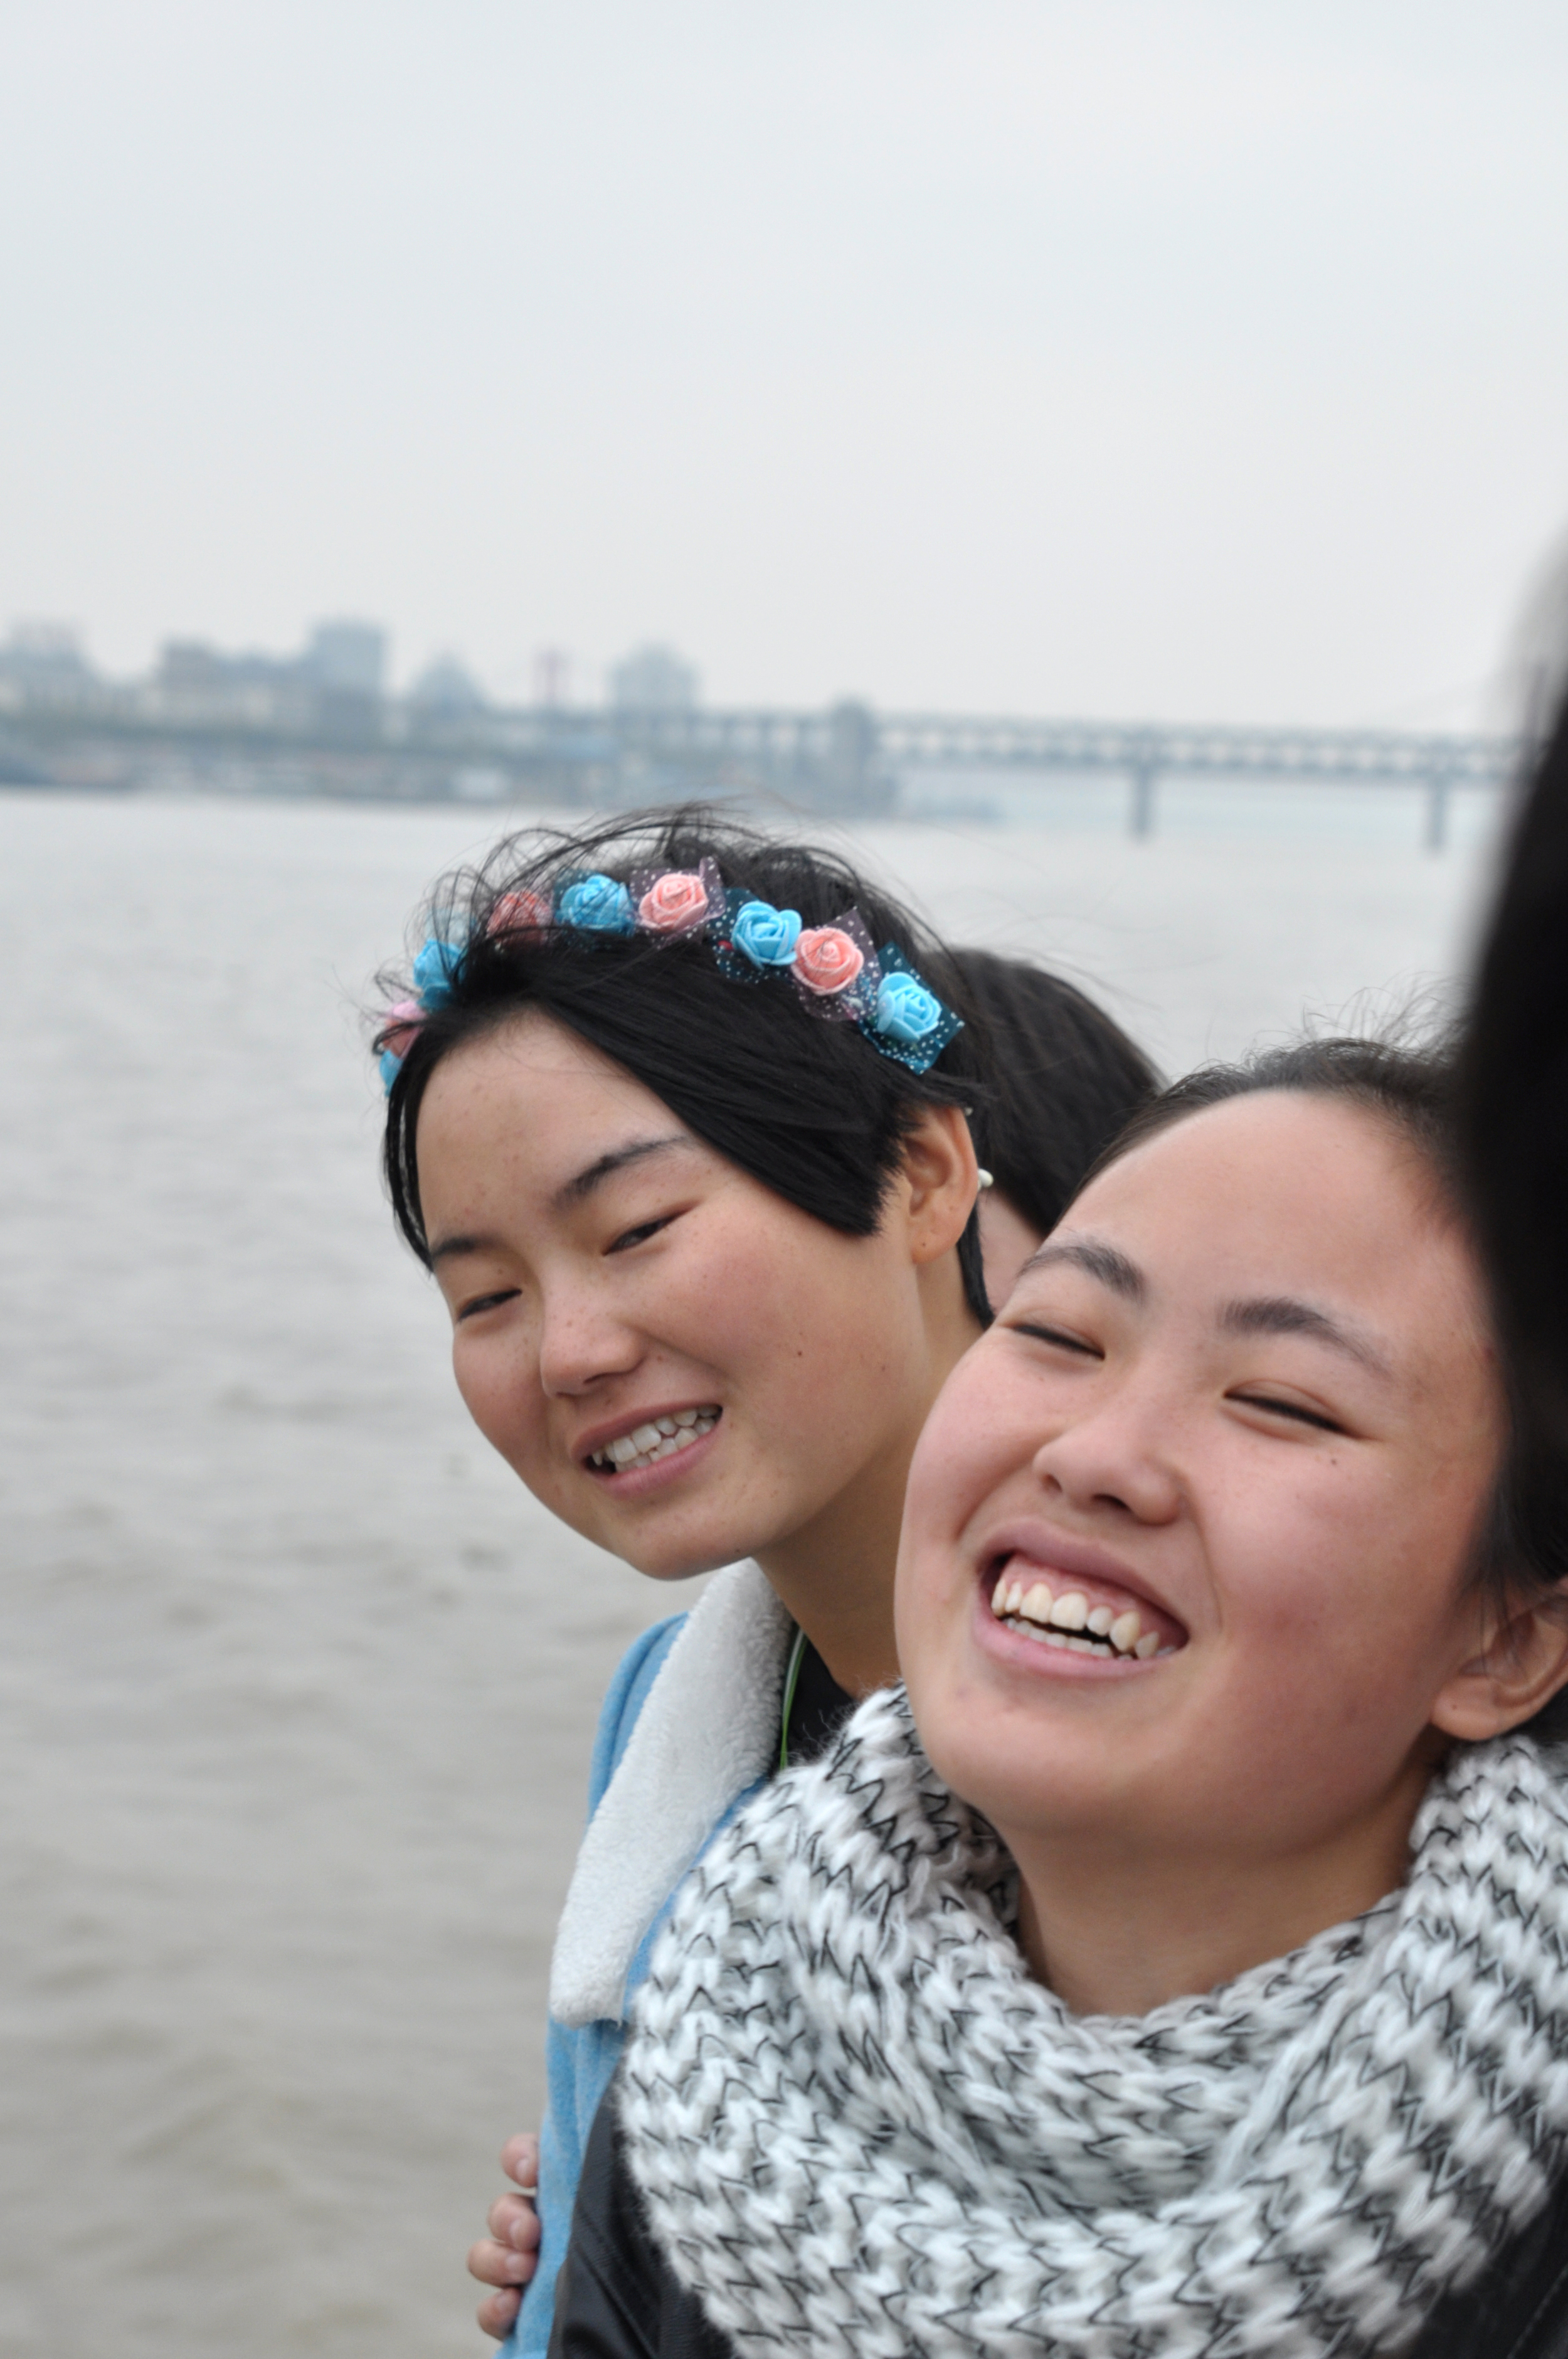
[(709, 1729)]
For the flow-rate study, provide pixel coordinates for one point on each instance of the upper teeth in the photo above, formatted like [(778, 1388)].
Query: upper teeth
[(660, 1438), (1034, 1607)]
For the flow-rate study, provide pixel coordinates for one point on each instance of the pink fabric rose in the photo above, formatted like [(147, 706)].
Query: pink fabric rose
[(520, 913), (827, 959), (401, 1028), (674, 901)]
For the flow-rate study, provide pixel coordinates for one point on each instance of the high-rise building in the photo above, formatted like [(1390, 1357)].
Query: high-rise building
[(45, 666), (446, 690), (652, 680), (348, 656)]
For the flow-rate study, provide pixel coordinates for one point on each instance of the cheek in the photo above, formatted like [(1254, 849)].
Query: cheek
[(967, 1451), (1346, 1547), (815, 1324), (1289, 1564), (973, 1438), (501, 1393), (1340, 1592)]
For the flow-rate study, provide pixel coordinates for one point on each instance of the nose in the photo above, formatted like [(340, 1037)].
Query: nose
[(582, 1340), (1116, 1457)]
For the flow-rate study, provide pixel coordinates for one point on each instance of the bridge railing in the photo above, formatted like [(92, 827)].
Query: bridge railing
[(1141, 753), (849, 757)]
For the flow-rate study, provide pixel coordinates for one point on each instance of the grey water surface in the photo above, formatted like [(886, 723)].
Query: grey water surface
[(297, 1683)]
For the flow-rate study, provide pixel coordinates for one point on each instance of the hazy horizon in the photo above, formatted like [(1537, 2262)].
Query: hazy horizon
[(1183, 359)]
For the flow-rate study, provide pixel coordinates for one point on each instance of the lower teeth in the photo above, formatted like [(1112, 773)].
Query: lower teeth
[(1071, 1640), (670, 1446)]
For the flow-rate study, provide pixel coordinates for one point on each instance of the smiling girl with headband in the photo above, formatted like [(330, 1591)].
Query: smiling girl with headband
[(1179, 1970), (678, 1116)]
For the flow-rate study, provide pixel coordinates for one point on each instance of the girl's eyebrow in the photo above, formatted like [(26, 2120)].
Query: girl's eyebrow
[(1270, 1314), (452, 1248), (574, 1190), (1281, 1314), (1103, 1262)]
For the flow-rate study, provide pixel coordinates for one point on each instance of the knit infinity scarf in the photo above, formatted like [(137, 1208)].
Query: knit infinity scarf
[(860, 2127)]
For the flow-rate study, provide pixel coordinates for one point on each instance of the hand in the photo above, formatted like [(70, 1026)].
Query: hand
[(509, 2256)]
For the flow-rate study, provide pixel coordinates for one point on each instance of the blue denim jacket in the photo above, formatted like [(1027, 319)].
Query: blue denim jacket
[(581, 2062)]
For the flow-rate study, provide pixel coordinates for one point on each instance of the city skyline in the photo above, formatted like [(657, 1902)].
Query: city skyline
[(47, 657)]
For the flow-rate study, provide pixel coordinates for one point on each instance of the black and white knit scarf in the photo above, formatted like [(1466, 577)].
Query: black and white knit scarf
[(860, 2127)]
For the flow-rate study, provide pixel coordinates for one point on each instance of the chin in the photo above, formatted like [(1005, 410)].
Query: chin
[(676, 1556), (1006, 1759)]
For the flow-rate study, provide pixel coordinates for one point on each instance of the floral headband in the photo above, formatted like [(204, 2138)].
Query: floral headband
[(838, 975)]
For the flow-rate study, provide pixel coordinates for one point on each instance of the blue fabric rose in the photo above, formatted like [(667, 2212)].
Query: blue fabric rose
[(907, 1010), (768, 936), (597, 905), (434, 971)]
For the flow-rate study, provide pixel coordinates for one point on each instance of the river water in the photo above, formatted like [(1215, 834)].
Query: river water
[(296, 1682)]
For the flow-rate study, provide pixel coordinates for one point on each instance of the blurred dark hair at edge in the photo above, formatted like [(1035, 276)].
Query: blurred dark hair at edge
[(808, 1107), (1514, 1075), (1513, 1107)]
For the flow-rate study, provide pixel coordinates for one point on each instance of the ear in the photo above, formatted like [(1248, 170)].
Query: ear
[(941, 1180), (1520, 1667)]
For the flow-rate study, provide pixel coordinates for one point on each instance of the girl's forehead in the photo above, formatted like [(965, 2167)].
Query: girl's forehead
[(530, 1065), (1280, 1152), (517, 1113), (532, 1043), (1282, 1189)]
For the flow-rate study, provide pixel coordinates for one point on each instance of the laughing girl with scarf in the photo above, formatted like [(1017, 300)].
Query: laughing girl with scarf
[(1179, 1965)]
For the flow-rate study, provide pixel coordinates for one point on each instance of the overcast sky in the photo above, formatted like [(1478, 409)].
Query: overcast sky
[(1170, 357)]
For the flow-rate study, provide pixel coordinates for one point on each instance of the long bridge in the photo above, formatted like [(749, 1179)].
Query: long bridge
[(849, 758), (859, 747)]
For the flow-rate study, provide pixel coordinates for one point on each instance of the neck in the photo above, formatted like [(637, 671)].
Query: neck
[(1119, 1931), (835, 1573)]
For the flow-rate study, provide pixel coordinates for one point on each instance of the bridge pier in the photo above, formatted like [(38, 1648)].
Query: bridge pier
[(1141, 817), (1439, 787)]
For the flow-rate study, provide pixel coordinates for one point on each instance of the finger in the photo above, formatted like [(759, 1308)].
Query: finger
[(519, 2160), (500, 2265), (513, 2221), (498, 2314)]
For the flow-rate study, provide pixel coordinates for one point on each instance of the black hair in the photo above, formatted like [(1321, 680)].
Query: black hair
[(809, 1107), (1520, 1547), (1514, 1090), (1063, 1080), (1513, 1130)]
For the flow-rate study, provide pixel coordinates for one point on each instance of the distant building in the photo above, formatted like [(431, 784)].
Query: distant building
[(44, 668), (552, 672), (351, 657), (444, 691), (652, 680), (332, 689), (197, 686)]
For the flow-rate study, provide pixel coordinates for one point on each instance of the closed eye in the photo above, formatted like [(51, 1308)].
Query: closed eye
[(641, 1234), (1292, 1409), (1064, 1342), (486, 1302)]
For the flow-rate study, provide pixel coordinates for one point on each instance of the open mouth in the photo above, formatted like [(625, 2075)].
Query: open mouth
[(659, 1438), (1074, 1614)]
